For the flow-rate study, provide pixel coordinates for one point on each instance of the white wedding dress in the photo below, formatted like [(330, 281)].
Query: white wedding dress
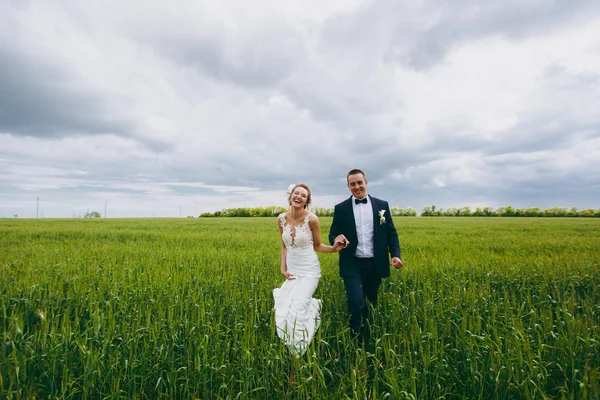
[(296, 312)]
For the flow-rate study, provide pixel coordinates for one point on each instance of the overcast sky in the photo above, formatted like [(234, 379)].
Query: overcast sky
[(159, 108)]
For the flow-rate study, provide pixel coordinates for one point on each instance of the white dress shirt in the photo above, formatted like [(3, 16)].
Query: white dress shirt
[(363, 216)]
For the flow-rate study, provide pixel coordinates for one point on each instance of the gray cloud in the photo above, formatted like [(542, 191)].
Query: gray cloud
[(255, 67), (456, 23), (42, 101), (420, 35), (202, 107)]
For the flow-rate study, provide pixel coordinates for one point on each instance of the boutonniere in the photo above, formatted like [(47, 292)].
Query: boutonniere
[(381, 217)]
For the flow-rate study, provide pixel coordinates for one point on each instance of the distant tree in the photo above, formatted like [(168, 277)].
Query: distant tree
[(465, 211), (533, 212), (236, 212), (507, 211), (555, 212), (93, 214), (397, 211), (573, 212), (451, 212), (588, 212), (272, 211), (489, 212), (410, 212), (16, 215), (429, 211), (323, 212)]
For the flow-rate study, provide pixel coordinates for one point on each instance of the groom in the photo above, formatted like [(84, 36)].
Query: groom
[(365, 224)]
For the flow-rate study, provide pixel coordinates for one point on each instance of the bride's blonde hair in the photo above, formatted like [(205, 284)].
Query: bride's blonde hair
[(308, 196)]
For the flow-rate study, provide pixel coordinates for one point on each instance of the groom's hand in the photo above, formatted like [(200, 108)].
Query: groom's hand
[(396, 262)]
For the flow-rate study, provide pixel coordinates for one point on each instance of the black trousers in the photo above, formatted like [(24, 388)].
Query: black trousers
[(361, 291)]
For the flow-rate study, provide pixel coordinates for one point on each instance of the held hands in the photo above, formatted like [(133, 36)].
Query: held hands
[(340, 243), (396, 262)]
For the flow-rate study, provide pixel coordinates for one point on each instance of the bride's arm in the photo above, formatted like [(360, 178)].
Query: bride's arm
[(315, 228), (284, 270)]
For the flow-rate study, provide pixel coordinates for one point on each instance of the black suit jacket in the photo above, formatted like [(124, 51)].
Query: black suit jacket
[(386, 241)]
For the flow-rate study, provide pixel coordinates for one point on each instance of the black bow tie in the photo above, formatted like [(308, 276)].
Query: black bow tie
[(358, 201)]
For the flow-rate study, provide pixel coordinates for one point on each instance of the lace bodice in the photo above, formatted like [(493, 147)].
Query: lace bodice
[(296, 236)]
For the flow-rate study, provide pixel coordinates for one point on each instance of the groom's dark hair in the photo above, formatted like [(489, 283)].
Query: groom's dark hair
[(354, 172)]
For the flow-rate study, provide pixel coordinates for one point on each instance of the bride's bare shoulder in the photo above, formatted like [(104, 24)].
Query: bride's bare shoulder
[(312, 217)]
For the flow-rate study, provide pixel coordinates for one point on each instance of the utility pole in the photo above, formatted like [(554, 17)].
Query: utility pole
[(179, 211), (37, 210), (105, 208)]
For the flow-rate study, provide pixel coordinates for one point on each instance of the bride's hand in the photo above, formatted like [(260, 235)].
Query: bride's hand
[(288, 275), (340, 243)]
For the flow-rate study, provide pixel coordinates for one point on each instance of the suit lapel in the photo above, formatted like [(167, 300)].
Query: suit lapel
[(375, 218), (351, 215)]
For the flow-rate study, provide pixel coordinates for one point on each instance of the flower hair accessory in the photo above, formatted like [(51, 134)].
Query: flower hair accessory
[(289, 189), (381, 217)]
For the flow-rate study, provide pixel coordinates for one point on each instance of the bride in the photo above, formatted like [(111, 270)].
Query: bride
[(296, 312)]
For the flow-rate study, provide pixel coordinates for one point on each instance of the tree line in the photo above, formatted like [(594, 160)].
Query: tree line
[(508, 211), (428, 211)]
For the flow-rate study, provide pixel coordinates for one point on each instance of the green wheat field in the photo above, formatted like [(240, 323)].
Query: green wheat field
[(491, 308)]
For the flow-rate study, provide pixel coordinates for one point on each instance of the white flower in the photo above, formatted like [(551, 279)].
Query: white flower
[(289, 189), (381, 217)]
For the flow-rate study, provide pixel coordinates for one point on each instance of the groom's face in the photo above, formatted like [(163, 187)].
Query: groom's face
[(357, 184)]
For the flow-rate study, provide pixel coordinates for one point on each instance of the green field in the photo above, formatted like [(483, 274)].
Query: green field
[(181, 308)]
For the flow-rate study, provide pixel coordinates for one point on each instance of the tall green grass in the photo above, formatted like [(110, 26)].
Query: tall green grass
[(484, 308)]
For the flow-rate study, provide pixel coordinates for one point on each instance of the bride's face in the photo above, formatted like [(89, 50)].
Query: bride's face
[(299, 197)]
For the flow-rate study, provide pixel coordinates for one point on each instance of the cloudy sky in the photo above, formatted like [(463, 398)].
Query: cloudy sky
[(161, 108)]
